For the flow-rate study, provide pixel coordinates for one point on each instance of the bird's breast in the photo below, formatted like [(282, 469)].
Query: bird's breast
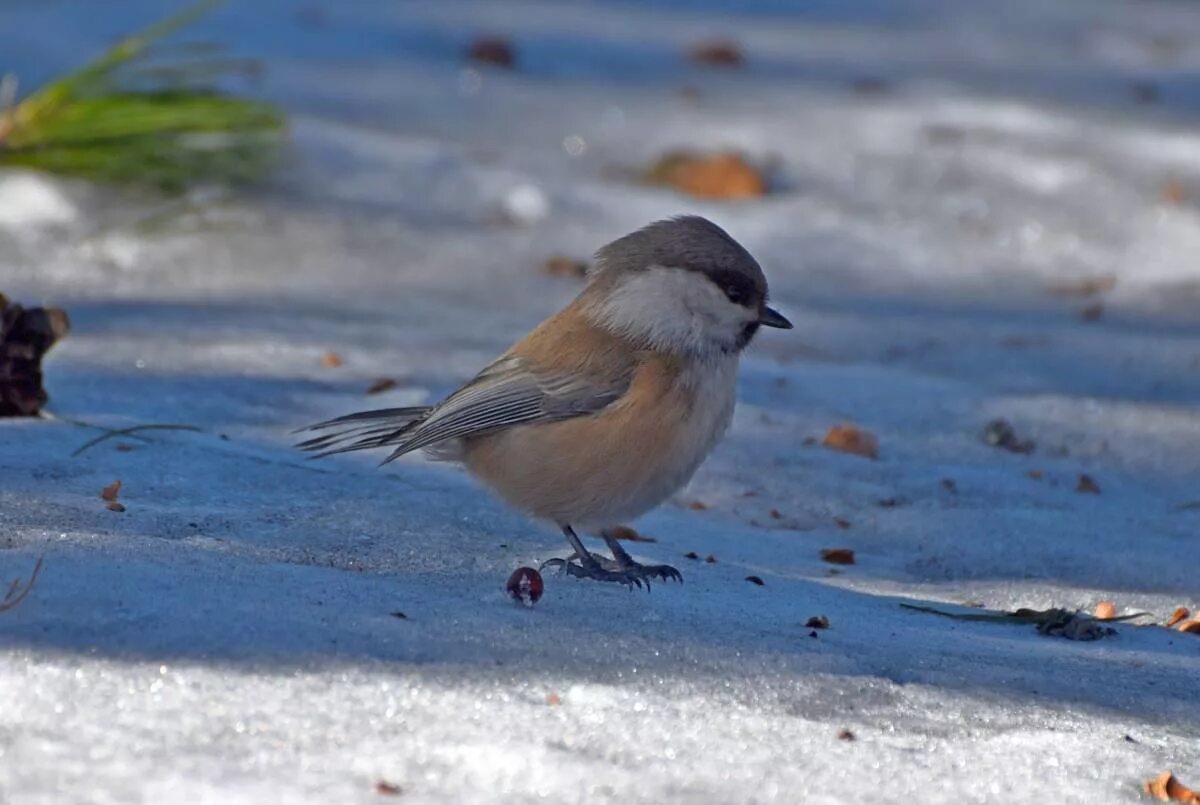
[(617, 464)]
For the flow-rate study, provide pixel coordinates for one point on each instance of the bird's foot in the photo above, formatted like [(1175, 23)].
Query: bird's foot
[(599, 568)]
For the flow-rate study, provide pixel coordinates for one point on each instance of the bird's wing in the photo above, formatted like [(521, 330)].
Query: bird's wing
[(508, 392)]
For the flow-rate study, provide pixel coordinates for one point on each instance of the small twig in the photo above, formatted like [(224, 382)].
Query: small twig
[(131, 431), (13, 597), (1017, 616)]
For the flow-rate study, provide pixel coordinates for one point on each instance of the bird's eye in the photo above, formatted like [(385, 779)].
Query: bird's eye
[(737, 294)]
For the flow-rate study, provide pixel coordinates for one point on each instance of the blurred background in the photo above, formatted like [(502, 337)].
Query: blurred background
[(983, 218)]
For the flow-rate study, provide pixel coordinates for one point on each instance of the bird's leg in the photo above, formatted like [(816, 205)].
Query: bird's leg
[(584, 565), (624, 563)]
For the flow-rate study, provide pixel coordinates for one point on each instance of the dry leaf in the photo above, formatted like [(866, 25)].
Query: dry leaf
[(492, 50), (111, 491), (123, 448), (1173, 192), (1165, 788), (691, 555), (114, 506), (1087, 485), (386, 789), (628, 534), (838, 556), (845, 735), (553, 699), (1180, 614), (1036, 475), (849, 439), (817, 622), (1191, 627), (331, 360), (755, 580), (382, 384), (725, 176), (1105, 610), (710, 559), (1088, 286), (26, 334), (776, 514), (841, 522), (698, 505), (716, 52), (562, 266)]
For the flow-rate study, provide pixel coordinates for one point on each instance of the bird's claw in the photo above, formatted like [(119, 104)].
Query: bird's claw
[(631, 575)]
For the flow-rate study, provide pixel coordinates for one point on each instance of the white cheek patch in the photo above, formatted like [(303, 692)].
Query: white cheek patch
[(674, 309)]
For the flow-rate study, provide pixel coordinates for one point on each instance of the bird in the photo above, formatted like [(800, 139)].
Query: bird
[(606, 408)]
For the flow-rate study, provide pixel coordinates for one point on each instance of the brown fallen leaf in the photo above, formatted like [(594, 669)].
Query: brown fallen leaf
[(698, 505), (691, 555), (1180, 614), (331, 360), (386, 789), (26, 335), (493, 50), (382, 384), (710, 559), (114, 506), (1173, 192), (1105, 609), (850, 439), (716, 52), (111, 491), (624, 532), (846, 735), (553, 699), (755, 580), (817, 622), (838, 556), (1166, 788), (1036, 475), (776, 514), (841, 522), (723, 176), (1087, 485), (1087, 286), (123, 448), (559, 265), (1191, 627)]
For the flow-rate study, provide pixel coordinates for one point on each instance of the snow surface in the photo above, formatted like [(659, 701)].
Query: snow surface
[(229, 637)]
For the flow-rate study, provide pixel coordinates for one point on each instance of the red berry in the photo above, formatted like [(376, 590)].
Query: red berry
[(525, 585)]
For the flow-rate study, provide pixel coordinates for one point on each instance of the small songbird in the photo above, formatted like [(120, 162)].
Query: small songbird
[(606, 408)]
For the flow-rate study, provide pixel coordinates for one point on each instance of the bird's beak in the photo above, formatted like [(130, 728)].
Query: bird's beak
[(773, 318)]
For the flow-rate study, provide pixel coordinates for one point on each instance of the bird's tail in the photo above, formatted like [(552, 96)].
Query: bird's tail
[(363, 430)]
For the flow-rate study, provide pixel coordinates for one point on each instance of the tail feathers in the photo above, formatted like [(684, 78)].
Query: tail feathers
[(363, 431)]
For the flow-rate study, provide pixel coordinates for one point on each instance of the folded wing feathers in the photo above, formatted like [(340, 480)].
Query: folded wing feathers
[(502, 395)]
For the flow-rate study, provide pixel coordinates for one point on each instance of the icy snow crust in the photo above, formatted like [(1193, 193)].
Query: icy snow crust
[(230, 637)]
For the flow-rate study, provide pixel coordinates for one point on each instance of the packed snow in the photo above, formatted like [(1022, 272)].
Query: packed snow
[(256, 627)]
